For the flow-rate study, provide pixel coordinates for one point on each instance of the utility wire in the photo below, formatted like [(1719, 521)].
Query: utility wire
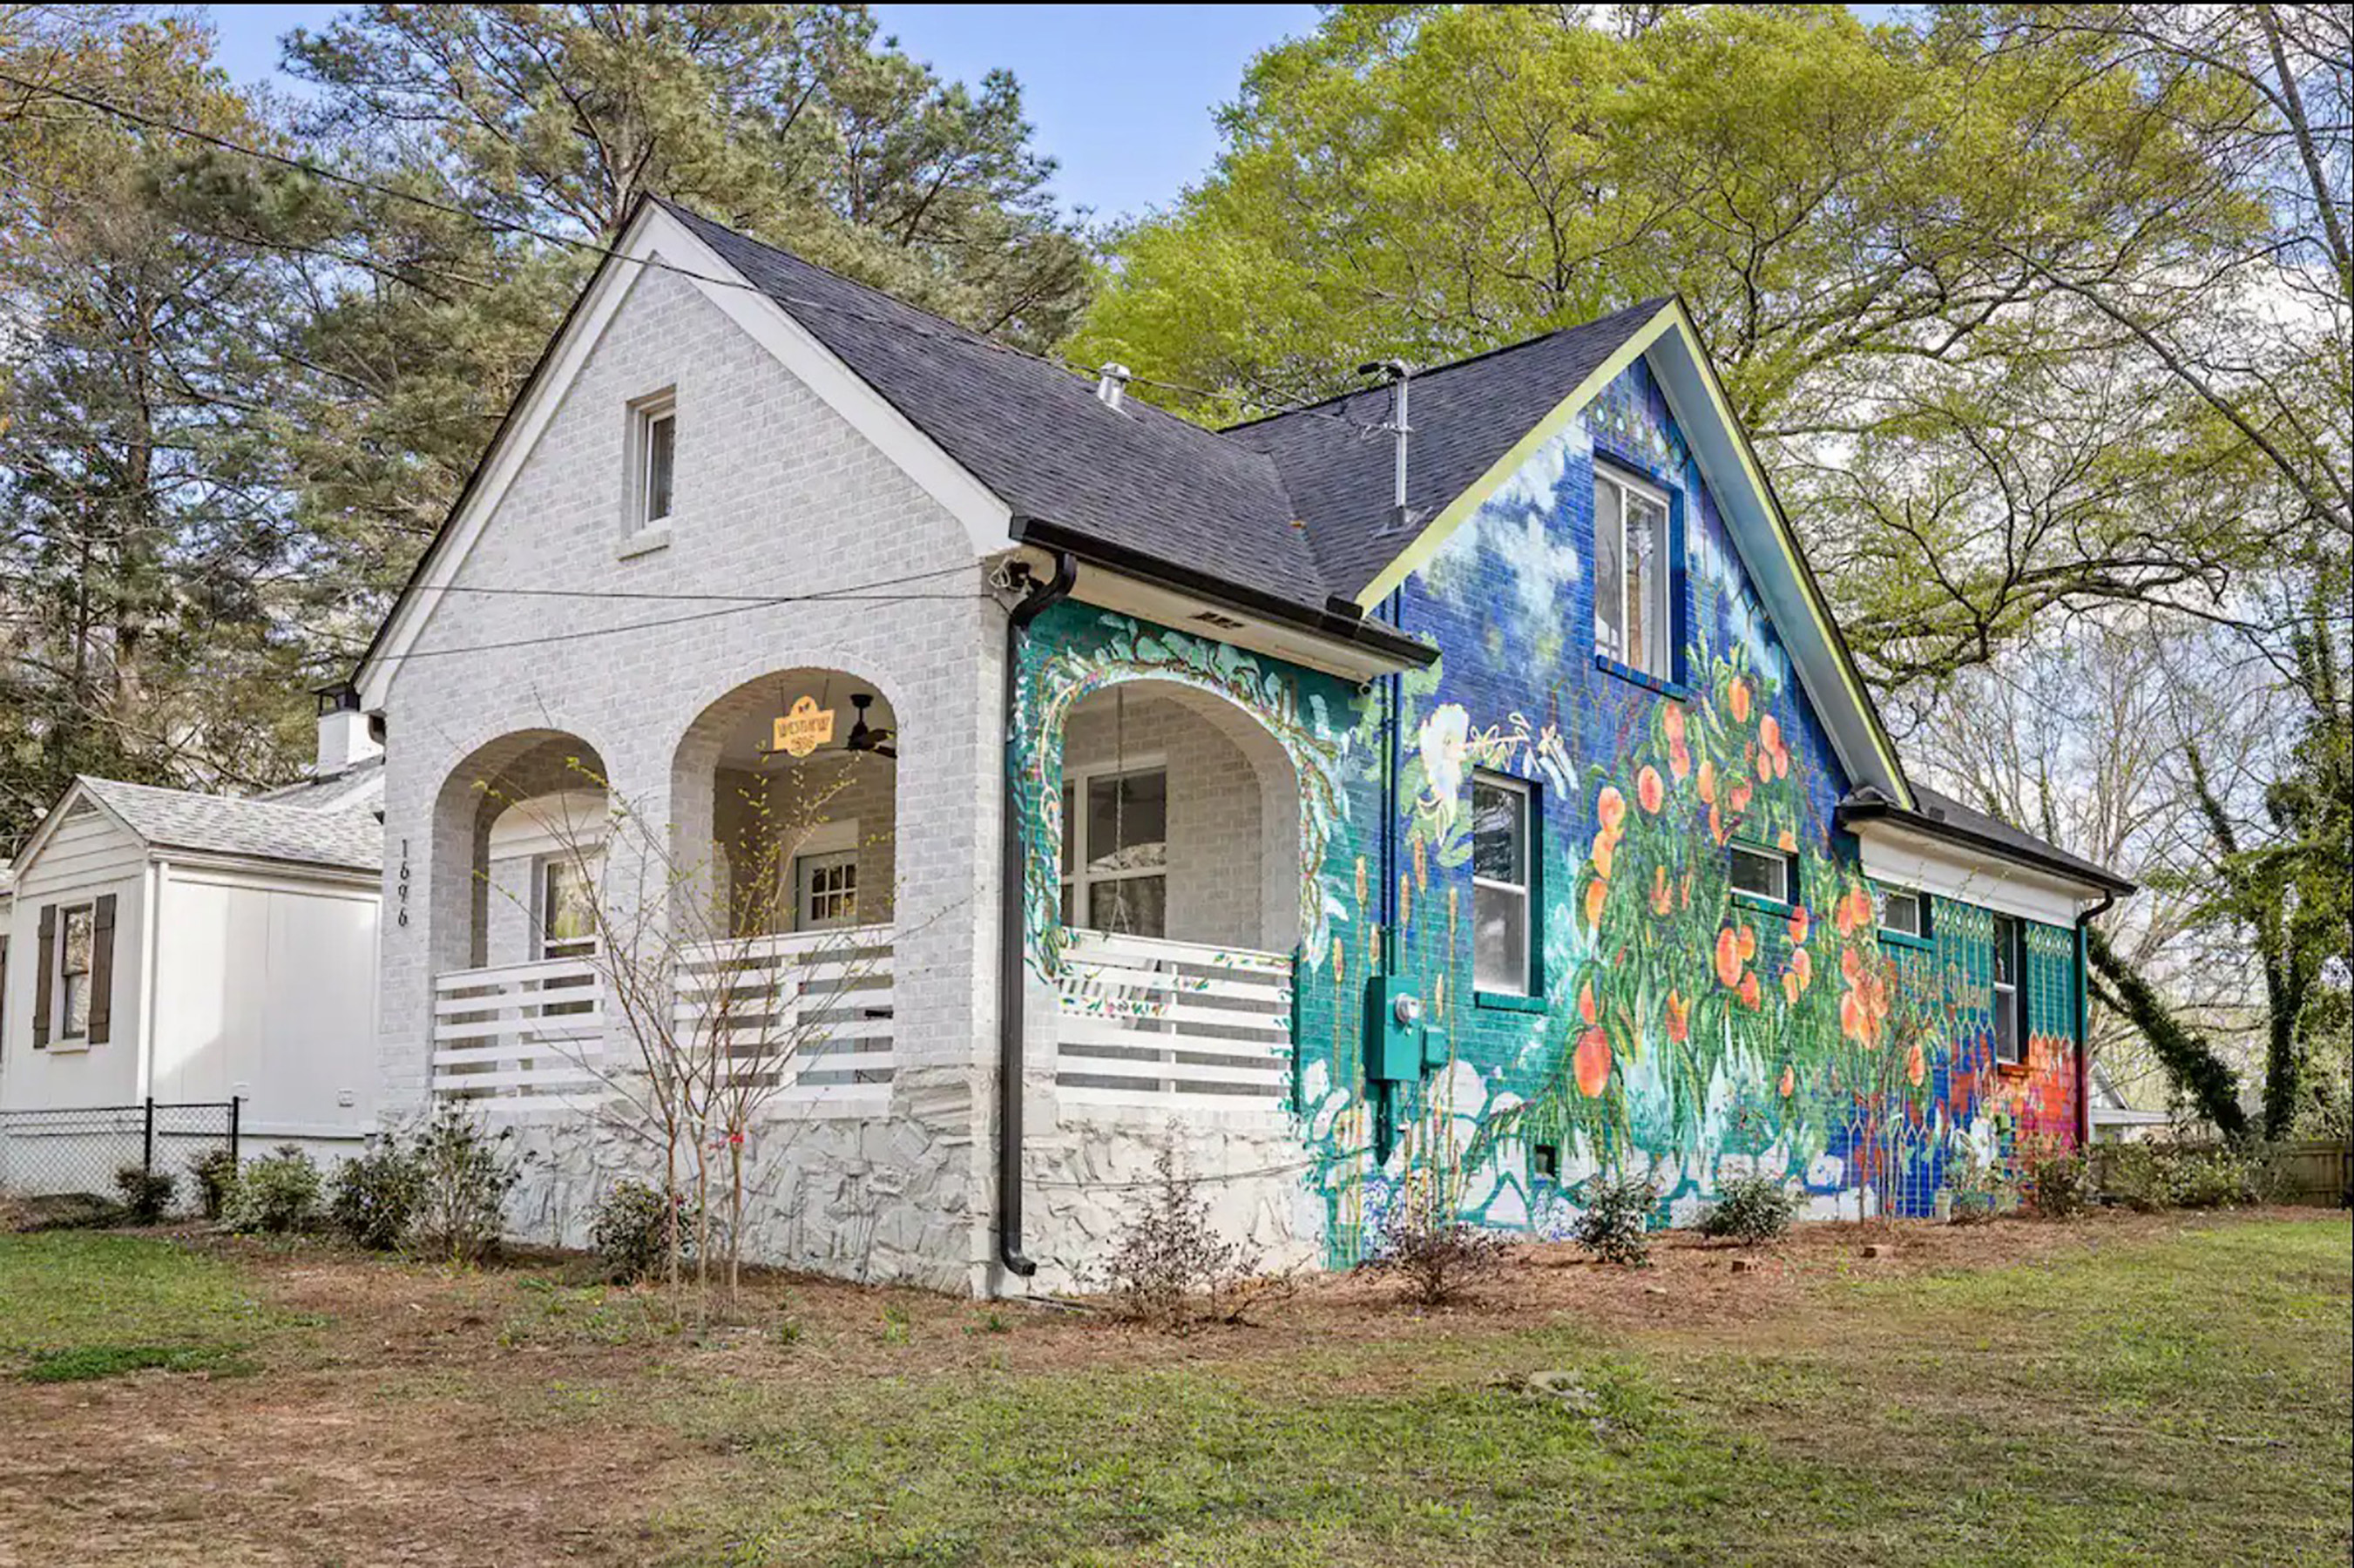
[(962, 336)]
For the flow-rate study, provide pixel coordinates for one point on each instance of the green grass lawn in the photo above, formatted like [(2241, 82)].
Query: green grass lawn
[(2178, 1401), (2173, 1395), (76, 1305)]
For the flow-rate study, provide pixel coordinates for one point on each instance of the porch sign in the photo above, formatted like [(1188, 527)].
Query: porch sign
[(804, 727)]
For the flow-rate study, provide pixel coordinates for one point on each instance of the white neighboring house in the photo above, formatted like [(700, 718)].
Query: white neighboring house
[(184, 947)]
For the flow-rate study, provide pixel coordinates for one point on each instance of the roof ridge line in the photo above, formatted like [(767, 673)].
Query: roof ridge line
[(1651, 305)]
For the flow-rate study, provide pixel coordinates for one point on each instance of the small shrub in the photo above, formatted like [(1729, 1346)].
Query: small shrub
[(2138, 1178), (628, 1231), (1616, 1225), (1973, 1208), (276, 1195), (372, 1196), (2064, 1186), (1437, 1253), (146, 1194), (1750, 1209), (463, 1176), (2210, 1178), (1169, 1258), (216, 1179)]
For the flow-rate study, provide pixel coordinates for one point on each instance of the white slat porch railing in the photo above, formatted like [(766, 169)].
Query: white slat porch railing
[(1150, 1025), (809, 1013), (519, 1037)]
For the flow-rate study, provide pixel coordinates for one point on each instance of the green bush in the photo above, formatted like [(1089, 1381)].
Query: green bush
[(1437, 1253), (1616, 1225), (630, 1231), (463, 1176), (1750, 1209), (146, 1194), (372, 1196), (216, 1179), (2062, 1186), (274, 1196), (2148, 1177)]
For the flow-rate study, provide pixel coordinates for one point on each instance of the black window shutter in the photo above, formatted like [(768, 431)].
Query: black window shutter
[(101, 969), (45, 976)]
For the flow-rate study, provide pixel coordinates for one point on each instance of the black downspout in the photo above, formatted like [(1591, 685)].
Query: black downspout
[(1010, 881)]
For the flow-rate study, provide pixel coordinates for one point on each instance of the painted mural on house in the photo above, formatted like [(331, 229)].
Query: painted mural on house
[(1665, 1022)]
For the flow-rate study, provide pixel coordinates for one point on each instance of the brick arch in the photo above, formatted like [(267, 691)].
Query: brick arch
[(490, 779)]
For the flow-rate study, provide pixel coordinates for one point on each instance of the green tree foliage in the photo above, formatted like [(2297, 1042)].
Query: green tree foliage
[(146, 542)]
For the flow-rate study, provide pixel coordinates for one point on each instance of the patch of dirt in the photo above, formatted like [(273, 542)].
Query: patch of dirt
[(425, 1417)]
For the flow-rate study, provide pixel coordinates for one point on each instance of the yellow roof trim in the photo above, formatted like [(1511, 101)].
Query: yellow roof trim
[(1436, 532), (1672, 317)]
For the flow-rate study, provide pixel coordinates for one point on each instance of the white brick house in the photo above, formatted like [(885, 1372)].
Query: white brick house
[(754, 543)]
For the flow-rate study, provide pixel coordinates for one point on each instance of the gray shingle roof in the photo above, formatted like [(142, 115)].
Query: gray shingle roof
[(1942, 816), (1297, 507), (1464, 416), (350, 839)]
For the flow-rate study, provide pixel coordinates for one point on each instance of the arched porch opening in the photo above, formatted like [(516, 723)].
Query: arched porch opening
[(785, 796), (1179, 861), (519, 919)]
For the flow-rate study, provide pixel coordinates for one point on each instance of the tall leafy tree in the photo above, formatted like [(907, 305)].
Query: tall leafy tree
[(145, 540)]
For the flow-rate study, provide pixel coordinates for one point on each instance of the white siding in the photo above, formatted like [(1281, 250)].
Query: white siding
[(265, 990), (87, 855)]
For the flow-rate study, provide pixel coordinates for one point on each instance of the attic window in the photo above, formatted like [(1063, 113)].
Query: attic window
[(1631, 621), (653, 460), (1222, 622)]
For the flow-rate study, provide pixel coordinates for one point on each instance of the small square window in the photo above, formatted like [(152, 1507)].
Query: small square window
[(1762, 873), (1904, 912), (1545, 1162), (1503, 935), (654, 461)]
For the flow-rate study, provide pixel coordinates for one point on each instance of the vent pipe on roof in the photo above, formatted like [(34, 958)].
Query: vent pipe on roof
[(1399, 373), (1111, 386)]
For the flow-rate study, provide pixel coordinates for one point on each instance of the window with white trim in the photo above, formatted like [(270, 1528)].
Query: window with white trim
[(1904, 912), (567, 917), (1632, 623), (2009, 996), (78, 939), (1116, 850), (1502, 930), (1762, 873), (653, 460)]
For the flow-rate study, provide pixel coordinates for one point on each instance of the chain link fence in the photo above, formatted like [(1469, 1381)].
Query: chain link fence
[(61, 1155)]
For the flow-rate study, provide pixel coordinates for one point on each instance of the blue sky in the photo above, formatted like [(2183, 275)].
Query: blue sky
[(1123, 95)]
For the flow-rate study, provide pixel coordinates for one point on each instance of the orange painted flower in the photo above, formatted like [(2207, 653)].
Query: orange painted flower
[(1736, 796), (1593, 1062), (1663, 898), (1789, 1082), (1715, 826), (1802, 964), (1596, 890), (1679, 759), (1610, 810), (1672, 719), (1915, 1069), (1750, 990), (1799, 925), (1748, 943), (1605, 850), (1785, 840), (1651, 790), (1843, 914), (1769, 733), (1790, 987), (1679, 1019), (1850, 965), (1728, 957), (1585, 1008), (1708, 781), (1738, 697)]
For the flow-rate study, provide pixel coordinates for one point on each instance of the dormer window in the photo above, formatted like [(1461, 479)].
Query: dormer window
[(654, 461), (1632, 626)]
